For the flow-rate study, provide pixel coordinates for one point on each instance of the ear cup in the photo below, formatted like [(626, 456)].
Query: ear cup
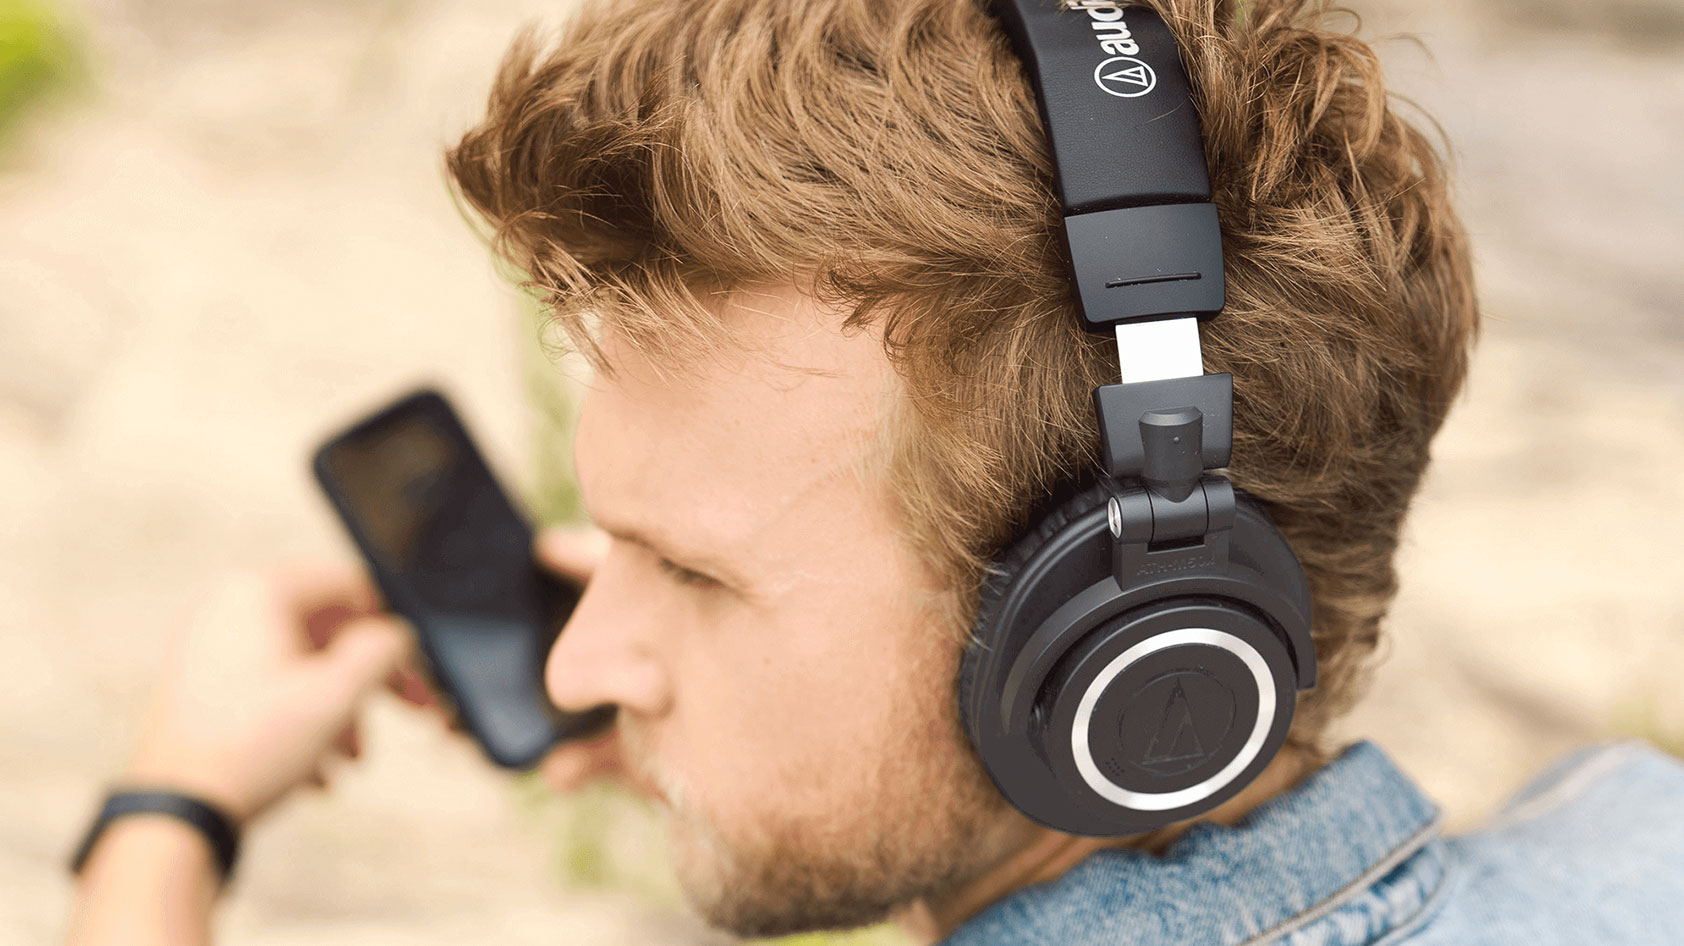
[(1070, 502), (1103, 708)]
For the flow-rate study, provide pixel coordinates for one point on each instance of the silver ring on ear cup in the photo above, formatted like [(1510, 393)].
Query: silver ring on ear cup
[(1080, 733), (1257, 595)]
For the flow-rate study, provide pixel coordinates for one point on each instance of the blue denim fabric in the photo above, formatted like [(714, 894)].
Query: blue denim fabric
[(1591, 852)]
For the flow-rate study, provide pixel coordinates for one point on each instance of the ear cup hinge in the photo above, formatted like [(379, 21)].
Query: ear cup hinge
[(1155, 536), (1166, 433)]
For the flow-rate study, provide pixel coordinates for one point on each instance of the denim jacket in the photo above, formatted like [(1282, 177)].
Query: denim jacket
[(1592, 852)]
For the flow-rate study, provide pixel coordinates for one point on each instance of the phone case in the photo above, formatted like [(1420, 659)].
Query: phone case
[(451, 552)]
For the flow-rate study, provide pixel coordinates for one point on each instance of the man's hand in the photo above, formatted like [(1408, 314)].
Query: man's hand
[(266, 679), (573, 554)]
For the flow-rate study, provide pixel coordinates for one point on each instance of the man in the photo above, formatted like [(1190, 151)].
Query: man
[(811, 249)]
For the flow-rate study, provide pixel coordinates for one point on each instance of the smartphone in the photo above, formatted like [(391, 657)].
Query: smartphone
[(452, 553)]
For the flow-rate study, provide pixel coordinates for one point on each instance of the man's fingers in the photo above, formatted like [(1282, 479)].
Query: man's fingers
[(571, 552), (348, 742), (564, 769), (322, 596), (362, 654), (308, 586), (410, 686), (570, 765)]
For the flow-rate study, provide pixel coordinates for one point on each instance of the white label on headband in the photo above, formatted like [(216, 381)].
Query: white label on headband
[(1153, 351)]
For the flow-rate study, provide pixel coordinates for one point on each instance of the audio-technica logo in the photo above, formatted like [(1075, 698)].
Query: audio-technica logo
[(1121, 75), (1125, 77)]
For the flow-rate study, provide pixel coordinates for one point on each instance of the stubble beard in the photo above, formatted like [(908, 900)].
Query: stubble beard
[(919, 835)]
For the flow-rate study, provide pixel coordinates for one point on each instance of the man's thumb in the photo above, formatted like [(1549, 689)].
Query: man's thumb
[(363, 651)]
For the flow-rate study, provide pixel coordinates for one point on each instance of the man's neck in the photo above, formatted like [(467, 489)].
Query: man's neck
[(1044, 854)]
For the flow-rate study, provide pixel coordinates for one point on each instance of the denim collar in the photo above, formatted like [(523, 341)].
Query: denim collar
[(1348, 838)]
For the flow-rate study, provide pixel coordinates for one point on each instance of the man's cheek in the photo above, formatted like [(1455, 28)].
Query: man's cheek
[(751, 777)]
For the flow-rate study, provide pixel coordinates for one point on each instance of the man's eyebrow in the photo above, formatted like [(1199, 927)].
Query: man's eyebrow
[(678, 552)]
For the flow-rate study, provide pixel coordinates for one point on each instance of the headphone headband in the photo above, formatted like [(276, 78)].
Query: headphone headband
[(1131, 178), (1143, 237), (1114, 100)]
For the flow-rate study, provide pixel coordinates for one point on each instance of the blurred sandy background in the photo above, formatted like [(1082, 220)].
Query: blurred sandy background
[(230, 232)]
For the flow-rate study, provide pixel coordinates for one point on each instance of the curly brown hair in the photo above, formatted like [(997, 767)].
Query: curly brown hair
[(887, 156)]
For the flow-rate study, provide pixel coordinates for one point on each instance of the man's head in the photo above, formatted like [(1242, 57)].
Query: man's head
[(812, 248)]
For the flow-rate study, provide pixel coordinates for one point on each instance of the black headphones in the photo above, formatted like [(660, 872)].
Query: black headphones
[(1139, 647)]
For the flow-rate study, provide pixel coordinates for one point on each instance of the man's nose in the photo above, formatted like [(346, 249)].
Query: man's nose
[(607, 652)]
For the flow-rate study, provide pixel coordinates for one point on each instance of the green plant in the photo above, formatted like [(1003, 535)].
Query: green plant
[(36, 54), (553, 398), (883, 935), (1643, 720)]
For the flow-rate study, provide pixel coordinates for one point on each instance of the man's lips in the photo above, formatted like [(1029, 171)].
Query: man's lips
[(642, 784), (636, 766)]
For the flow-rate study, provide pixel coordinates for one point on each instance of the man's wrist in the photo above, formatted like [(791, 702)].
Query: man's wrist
[(153, 844), (149, 879), (212, 824), (152, 771)]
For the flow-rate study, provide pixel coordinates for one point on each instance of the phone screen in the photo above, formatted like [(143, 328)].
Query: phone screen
[(434, 515), (452, 553)]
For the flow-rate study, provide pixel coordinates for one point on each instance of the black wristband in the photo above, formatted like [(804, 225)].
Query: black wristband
[(217, 827)]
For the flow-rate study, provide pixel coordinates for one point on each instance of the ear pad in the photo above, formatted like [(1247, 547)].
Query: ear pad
[(1065, 506), (1108, 709)]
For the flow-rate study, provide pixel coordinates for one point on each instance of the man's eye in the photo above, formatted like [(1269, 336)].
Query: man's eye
[(686, 576)]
